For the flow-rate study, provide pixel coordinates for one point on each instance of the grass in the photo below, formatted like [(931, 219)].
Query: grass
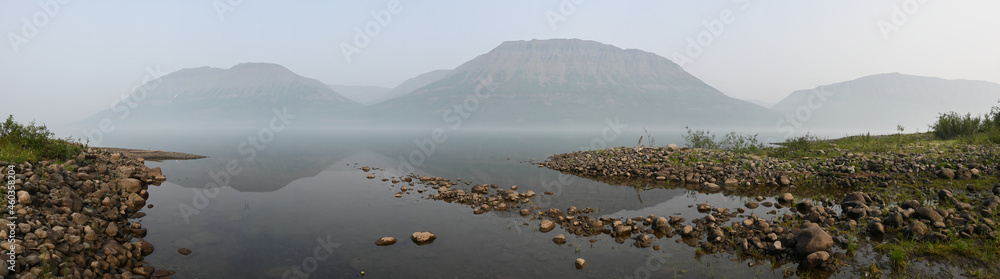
[(33, 142)]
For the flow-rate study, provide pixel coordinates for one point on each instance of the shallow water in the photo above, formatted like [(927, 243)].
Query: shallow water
[(300, 205)]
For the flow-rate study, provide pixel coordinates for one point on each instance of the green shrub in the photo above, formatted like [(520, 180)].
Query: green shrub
[(33, 142), (700, 139), (732, 141), (951, 125)]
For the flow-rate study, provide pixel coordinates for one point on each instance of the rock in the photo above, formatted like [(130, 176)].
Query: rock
[(525, 212), (945, 195), (366, 168), (731, 181), (928, 214), (947, 173), (385, 241), (135, 202), (936, 237), (711, 187), (917, 229), (643, 241), (581, 263), (423, 238), (23, 197), (559, 239), (804, 206), (853, 199), (425, 178), (785, 181), (752, 204), (962, 206), (184, 251), (370, 176), (661, 224), (89, 234), (704, 207), (481, 189), (786, 198), (145, 247), (910, 204), (130, 185), (817, 258), (811, 240), (687, 230), (546, 226), (529, 194), (876, 229)]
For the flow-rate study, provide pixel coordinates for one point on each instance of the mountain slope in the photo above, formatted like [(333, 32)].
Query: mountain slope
[(413, 84), (364, 95), (245, 95), (880, 102), (569, 81)]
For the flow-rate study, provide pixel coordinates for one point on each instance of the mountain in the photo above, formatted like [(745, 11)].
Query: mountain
[(880, 102), (364, 95), (246, 95), (765, 104), (562, 82), (413, 84)]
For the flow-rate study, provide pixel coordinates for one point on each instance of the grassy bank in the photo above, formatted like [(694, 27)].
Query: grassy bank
[(33, 142)]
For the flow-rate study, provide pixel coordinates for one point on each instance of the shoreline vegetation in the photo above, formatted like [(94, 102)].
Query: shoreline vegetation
[(923, 197), (75, 210)]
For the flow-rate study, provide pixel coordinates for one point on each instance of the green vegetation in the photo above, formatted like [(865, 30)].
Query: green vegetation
[(33, 142), (970, 129), (732, 141)]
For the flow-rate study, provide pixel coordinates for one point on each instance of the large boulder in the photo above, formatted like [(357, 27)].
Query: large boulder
[(812, 239)]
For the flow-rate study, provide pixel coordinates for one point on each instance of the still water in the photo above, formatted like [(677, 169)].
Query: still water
[(296, 203)]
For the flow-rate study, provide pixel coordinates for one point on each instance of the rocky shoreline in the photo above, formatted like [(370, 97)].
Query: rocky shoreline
[(819, 232), (79, 219)]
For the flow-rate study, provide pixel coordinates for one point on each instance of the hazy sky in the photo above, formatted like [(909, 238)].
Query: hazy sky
[(65, 60)]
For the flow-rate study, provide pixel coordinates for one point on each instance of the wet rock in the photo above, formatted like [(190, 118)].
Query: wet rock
[(423, 238), (711, 187), (643, 241), (385, 241), (811, 240), (559, 239), (817, 258), (525, 212), (687, 231), (804, 206), (661, 224), (184, 251), (546, 226), (752, 204), (146, 247), (366, 168), (580, 263), (704, 207), (786, 198), (370, 176), (481, 189)]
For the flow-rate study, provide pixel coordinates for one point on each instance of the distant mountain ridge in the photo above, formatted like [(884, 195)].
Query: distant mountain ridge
[(571, 81), (246, 94), (882, 101)]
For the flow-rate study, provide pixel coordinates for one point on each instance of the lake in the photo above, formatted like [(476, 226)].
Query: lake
[(283, 204)]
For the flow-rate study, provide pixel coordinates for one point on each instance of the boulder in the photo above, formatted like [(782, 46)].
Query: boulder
[(817, 258), (423, 238), (581, 263), (811, 240), (130, 185), (385, 241), (546, 226), (929, 214)]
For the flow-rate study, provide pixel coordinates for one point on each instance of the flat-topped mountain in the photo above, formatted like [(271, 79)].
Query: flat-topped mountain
[(880, 102), (244, 95), (570, 81)]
